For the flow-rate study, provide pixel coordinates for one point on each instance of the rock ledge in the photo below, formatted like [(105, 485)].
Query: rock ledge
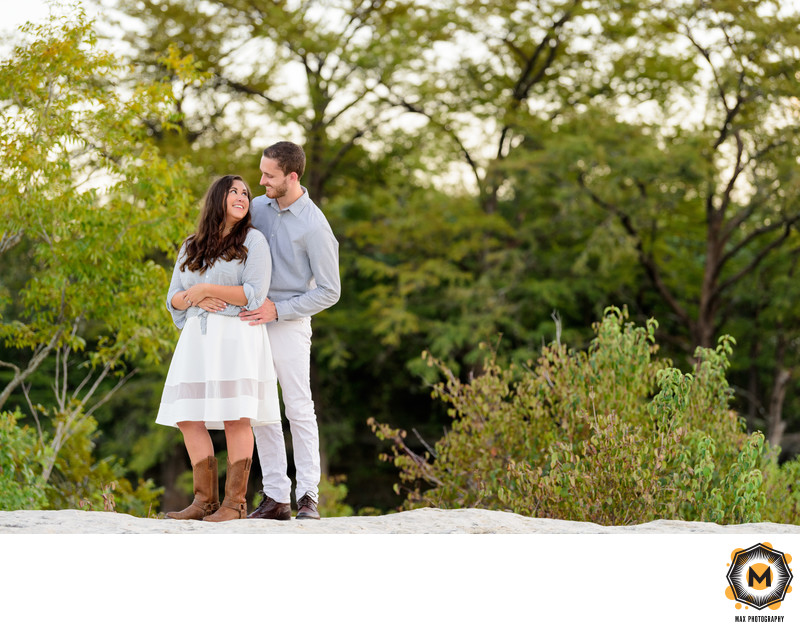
[(421, 521)]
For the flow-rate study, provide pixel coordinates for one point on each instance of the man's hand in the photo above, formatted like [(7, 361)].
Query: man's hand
[(264, 314)]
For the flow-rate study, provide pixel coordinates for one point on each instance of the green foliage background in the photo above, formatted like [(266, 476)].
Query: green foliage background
[(497, 173)]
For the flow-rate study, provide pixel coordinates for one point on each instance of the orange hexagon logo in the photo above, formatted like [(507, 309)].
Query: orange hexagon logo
[(759, 576)]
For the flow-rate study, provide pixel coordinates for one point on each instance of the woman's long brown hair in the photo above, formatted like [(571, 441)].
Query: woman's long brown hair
[(208, 244)]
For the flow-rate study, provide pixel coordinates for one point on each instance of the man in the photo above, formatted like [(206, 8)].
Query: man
[(305, 281)]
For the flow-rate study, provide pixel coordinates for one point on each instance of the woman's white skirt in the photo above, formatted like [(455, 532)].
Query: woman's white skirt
[(223, 375)]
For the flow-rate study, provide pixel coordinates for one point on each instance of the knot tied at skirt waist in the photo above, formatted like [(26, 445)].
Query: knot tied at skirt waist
[(231, 310)]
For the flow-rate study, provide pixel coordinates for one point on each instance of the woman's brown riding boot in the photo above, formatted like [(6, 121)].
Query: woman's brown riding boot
[(234, 506), (206, 492)]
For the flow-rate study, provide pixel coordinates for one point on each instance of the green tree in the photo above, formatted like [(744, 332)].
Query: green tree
[(767, 320), (733, 168), (702, 184), (314, 71), (87, 206), (513, 64)]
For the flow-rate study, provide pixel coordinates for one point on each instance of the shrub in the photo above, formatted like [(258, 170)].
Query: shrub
[(332, 495), (20, 487), (77, 480), (613, 435)]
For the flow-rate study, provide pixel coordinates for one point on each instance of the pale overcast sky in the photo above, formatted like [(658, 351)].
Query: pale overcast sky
[(14, 13), (18, 12)]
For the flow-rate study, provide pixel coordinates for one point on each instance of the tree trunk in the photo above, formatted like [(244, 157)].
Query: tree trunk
[(776, 426), (752, 382)]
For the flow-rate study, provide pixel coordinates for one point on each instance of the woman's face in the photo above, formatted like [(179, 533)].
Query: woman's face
[(237, 203)]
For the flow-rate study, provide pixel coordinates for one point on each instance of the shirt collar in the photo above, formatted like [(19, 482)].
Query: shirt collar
[(296, 208)]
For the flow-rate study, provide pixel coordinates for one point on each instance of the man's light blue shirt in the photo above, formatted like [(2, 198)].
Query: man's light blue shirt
[(305, 256)]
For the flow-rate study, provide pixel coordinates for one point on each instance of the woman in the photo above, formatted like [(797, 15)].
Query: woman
[(221, 375)]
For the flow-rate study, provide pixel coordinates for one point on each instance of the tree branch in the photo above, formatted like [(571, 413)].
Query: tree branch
[(39, 354), (758, 258), (453, 136), (26, 387), (251, 91), (647, 261), (10, 240), (786, 224)]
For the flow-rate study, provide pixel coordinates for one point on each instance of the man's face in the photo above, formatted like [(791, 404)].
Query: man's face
[(274, 181)]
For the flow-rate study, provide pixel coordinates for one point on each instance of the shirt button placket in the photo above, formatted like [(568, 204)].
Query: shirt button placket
[(275, 226)]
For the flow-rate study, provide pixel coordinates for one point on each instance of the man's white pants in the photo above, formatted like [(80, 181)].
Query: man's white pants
[(291, 354)]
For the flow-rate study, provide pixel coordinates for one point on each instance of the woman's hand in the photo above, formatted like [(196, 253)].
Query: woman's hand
[(212, 304), (195, 294), (209, 297)]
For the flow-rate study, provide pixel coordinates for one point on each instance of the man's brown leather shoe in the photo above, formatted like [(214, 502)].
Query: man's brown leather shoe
[(307, 508), (270, 509)]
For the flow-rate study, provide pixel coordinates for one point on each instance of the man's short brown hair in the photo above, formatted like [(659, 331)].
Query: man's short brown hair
[(289, 157)]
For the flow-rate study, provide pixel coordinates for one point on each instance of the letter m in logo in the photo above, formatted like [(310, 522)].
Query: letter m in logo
[(753, 577)]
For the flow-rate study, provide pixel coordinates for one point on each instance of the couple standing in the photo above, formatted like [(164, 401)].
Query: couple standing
[(243, 291)]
